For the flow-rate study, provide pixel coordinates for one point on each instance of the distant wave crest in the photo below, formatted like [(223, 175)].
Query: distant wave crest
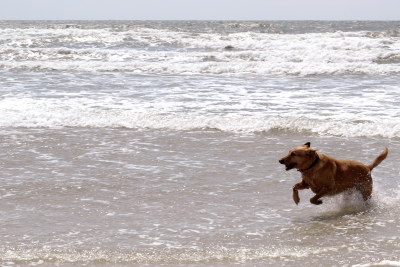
[(168, 51)]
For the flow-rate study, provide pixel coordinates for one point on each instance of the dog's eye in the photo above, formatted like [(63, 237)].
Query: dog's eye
[(293, 154)]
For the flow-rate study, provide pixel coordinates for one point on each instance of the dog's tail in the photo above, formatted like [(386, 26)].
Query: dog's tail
[(379, 159)]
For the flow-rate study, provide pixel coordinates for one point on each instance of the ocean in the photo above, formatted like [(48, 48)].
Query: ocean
[(156, 143)]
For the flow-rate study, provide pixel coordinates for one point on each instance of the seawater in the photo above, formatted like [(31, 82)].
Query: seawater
[(157, 142)]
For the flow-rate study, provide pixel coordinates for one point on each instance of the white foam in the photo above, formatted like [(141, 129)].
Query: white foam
[(145, 50), (86, 112), (387, 263)]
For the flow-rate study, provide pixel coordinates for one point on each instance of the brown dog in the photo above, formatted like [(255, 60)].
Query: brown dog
[(327, 176)]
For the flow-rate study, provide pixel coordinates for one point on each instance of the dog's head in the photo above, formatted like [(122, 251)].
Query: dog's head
[(300, 157)]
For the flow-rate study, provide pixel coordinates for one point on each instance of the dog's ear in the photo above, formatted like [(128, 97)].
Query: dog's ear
[(310, 152), (308, 144)]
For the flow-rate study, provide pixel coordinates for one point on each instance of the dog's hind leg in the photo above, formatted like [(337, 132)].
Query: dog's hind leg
[(365, 190)]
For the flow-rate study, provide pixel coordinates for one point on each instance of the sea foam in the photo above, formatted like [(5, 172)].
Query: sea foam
[(166, 51), (63, 114)]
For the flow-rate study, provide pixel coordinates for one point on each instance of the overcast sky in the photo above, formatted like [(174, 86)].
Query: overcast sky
[(200, 9)]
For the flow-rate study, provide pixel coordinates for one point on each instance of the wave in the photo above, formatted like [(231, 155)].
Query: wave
[(213, 65), (167, 51), (31, 115)]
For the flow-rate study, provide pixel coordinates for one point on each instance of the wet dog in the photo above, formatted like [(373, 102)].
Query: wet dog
[(327, 176)]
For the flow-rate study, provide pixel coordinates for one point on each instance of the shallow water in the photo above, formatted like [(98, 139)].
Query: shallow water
[(123, 196)]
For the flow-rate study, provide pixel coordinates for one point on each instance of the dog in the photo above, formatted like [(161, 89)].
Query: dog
[(327, 176)]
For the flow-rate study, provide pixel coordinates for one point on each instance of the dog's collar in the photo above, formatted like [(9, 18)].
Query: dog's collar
[(312, 164)]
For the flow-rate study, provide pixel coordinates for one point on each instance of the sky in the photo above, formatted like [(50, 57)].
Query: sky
[(200, 10)]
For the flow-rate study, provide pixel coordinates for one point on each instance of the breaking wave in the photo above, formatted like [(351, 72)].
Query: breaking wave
[(55, 117), (173, 51)]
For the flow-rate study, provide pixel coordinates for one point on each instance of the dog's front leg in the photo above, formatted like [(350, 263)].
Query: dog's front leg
[(299, 186), (296, 197), (316, 199)]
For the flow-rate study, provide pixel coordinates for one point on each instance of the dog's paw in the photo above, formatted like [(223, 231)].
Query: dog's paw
[(316, 201), (296, 197)]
